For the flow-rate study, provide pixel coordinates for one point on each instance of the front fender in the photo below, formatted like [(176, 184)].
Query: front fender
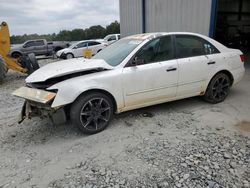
[(69, 90)]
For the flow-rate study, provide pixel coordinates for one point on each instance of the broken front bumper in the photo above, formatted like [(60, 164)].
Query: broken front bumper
[(31, 109), (37, 103)]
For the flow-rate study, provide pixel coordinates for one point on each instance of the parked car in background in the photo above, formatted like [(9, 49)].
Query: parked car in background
[(38, 47), (134, 72), (111, 38), (76, 50)]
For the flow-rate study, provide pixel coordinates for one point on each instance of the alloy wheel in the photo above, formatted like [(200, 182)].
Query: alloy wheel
[(220, 88), (69, 56), (95, 113)]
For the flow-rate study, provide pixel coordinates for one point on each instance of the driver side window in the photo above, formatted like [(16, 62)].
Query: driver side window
[(147, 52), (29, 44), (157, 50)]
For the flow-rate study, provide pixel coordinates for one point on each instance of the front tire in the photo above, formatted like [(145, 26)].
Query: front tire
[(218, 88), (69, 56), (92, 112), (16, 55)]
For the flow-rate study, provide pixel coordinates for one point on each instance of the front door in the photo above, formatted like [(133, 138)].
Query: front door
[(29, 47), (155, 79)]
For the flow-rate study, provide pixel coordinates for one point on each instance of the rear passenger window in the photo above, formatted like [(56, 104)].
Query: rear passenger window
[(93, 43), (39, 43), (190, 46)]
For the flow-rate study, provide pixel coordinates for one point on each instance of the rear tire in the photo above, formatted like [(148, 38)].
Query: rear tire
[(218, 89), (92, 112)]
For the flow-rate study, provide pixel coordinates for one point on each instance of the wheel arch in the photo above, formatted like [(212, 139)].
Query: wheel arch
[(226, 72), (103, 92), (70, 53), (17, 52)]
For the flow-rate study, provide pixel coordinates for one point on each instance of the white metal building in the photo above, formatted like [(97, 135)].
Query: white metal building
[(200, 16)]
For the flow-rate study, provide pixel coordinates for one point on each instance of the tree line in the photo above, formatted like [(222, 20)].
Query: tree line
[(93, 32)]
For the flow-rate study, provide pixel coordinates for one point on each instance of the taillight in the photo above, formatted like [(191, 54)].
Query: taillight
[(243, 58)]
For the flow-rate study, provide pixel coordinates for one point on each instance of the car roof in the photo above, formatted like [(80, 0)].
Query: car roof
[(149, 36), (33, 40), (90, 40), (145, 36)]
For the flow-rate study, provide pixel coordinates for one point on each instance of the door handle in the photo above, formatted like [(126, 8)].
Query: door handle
[(171, 69), (211, 63)]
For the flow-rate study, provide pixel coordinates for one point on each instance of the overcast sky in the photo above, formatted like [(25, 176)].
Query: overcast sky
[(51, 16)]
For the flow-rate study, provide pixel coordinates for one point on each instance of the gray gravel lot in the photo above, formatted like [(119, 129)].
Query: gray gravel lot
[(186, 143)]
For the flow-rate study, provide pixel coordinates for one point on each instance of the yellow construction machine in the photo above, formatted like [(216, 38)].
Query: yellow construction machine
[(24, 64)]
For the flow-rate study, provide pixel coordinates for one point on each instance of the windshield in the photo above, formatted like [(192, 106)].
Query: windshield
[(107, 37), (118, 51), (74, 44)]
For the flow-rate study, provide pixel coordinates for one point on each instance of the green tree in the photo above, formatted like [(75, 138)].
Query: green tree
[(93, 32), (113, 28)]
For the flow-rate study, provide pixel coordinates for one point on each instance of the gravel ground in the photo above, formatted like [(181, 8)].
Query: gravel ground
[(187, 143)]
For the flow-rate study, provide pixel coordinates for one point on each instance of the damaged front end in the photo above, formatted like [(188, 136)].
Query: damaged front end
[(37, 103), (41, 101)]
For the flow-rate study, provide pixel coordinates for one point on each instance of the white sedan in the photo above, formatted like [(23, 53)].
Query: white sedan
[(135, 72), (76, 50)]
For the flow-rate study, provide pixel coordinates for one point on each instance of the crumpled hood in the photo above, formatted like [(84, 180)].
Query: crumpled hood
[(65, 67)]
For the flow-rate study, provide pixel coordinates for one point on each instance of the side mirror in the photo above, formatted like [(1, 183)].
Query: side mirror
[(24, 46), (137, 61)]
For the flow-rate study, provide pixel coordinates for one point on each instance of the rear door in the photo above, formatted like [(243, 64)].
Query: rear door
[(193, 65), (155, 80)]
